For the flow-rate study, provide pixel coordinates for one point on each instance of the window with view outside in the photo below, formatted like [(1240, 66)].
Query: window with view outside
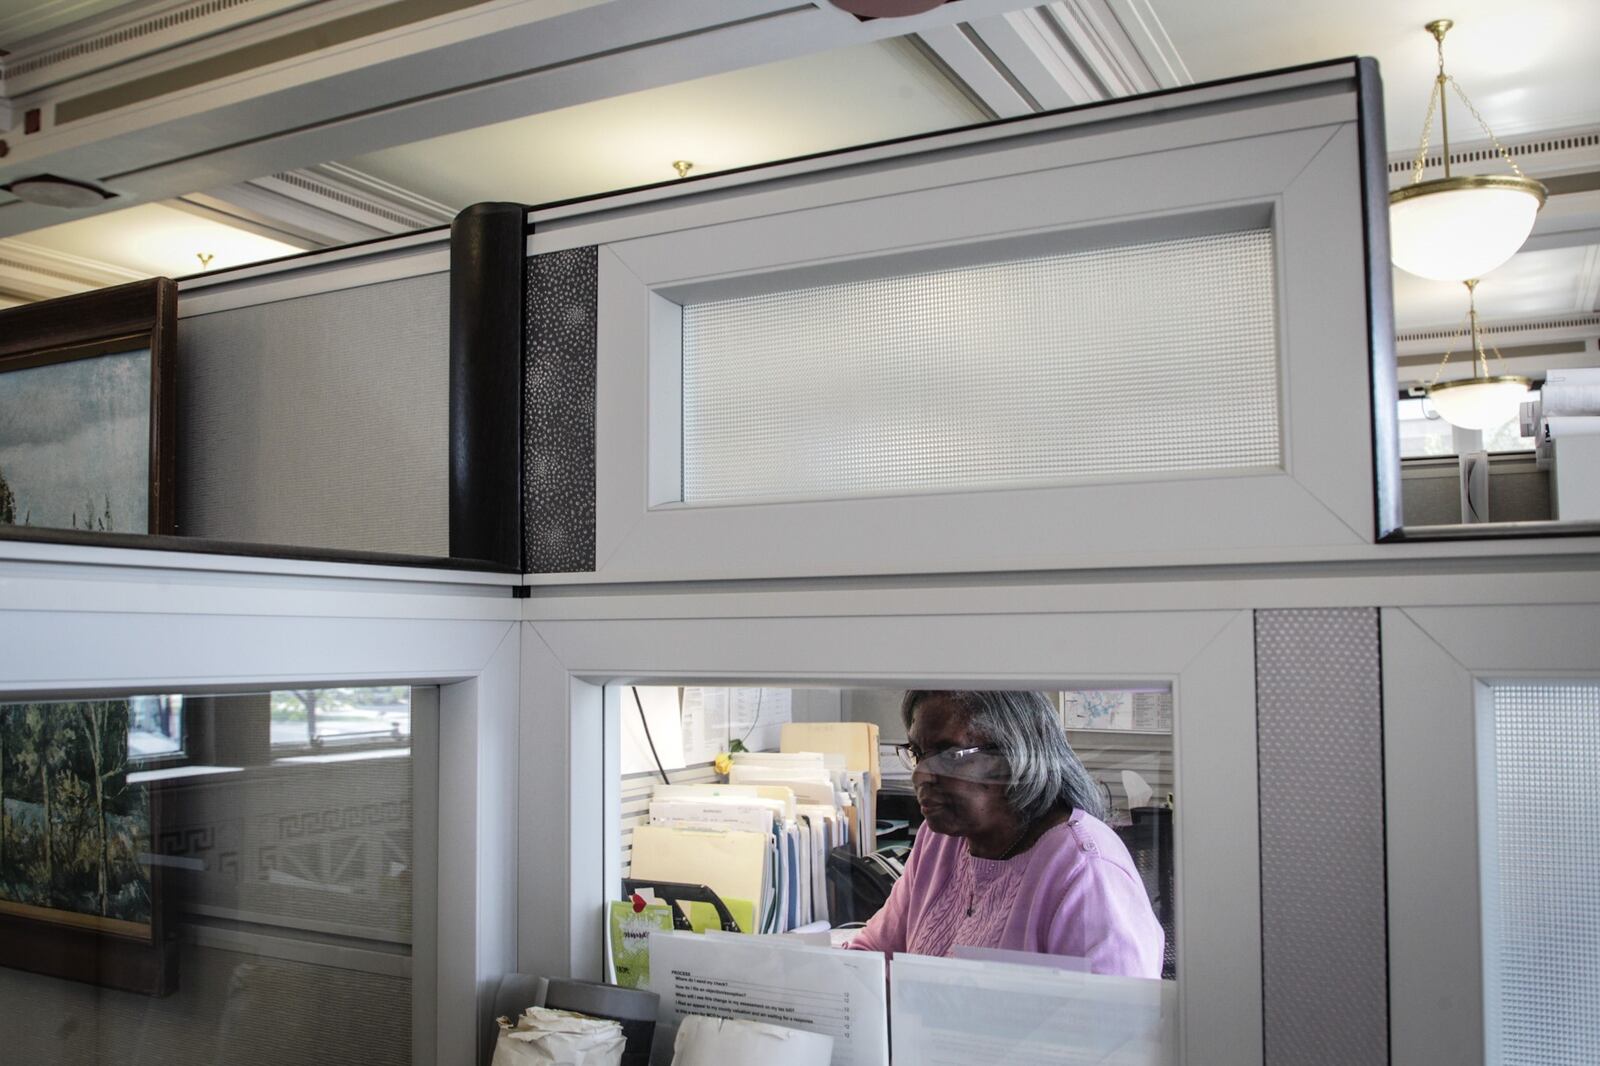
[(155, 727), (318, 717), (1423, 433)]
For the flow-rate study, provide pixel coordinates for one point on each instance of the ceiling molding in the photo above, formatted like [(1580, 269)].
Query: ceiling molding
[(1502, 333), (319, 207), (1055, 55), (41, 19), (135, 32), (29, 272), (1549, 153)]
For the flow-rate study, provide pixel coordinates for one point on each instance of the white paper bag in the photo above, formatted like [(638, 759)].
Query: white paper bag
[(704, 1041), (545, 1037)]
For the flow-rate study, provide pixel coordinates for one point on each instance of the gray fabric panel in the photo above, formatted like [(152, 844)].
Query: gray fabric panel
[(1517, 493), (319, 422), (561, 344), (1323, 909)]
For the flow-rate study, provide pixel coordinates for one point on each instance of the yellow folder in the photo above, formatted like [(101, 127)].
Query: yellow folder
[(856, 741), (732, 862)]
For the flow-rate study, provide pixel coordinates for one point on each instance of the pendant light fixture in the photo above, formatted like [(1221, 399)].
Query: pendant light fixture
[(1482, 401), (1459, 226)]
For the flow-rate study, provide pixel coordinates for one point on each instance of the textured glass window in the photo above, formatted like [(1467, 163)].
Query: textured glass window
[(1143, 359), (1542, 876)]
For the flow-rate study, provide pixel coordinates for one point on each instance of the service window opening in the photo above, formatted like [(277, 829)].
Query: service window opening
[(1043, 821)]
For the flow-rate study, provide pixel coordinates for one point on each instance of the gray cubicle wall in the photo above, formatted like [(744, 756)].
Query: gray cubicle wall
[(317, 414)]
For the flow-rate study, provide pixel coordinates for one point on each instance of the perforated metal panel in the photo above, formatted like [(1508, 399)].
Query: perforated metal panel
[(1319, 705), (558, 451), (1542, 876), (1136, 360)]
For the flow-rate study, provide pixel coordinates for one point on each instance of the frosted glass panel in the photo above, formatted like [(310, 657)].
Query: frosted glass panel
[(1542, 876), (1136, 360)]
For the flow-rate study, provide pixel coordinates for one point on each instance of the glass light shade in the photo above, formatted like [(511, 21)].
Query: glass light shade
[(1454, 229), (1479, 403)]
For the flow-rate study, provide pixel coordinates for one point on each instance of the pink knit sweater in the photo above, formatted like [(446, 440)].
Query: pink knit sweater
[(1075, 892)]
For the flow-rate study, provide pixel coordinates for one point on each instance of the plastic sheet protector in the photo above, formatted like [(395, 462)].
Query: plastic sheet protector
[(954, 1012)]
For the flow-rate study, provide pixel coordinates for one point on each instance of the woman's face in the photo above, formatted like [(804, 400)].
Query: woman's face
[(965, 800)]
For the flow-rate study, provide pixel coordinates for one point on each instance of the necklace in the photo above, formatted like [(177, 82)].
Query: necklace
[(972, 894)]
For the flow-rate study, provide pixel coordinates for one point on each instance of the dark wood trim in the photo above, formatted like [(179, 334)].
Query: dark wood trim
[(245, 549), (487, 287), (164, 409), (141, 314), (120, 311), (148, 967)]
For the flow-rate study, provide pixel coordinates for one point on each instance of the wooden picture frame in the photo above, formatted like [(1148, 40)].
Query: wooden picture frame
[(48, 927), (74, 424)]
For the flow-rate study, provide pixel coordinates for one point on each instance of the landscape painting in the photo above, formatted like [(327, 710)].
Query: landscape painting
[(75, 443), (74, 834)]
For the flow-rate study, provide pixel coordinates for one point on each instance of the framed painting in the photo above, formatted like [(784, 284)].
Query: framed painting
[(80, 889), (87, 409)]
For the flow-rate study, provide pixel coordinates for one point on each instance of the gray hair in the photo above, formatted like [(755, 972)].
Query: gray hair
[(1026, 727)]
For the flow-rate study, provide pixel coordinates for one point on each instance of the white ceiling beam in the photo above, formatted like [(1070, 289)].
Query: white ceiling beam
[(1060, 54), (1589, 280), (1104, 43), (486, 63), (1025, 43), (1148, 38), (968, 61), (1567, 221)]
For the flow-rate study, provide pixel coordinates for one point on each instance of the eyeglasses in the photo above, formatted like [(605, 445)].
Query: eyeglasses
[(951, 762)]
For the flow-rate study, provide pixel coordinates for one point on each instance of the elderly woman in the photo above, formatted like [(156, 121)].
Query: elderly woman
[(1011, 853)]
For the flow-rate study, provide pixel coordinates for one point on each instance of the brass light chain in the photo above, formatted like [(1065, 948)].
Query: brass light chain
[(1512, 163), (1477, 340), (1427, 127), (1452, 350), (1436, 103)]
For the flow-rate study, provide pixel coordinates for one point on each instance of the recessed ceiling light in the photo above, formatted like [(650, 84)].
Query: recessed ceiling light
[(51, 191)]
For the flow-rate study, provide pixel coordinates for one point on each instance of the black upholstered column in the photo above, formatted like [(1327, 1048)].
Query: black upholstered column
[(487, 256)]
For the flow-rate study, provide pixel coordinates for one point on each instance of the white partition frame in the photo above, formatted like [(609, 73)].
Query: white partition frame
[(575, 647), (1438, 665), (1285, 148), (90, 621)]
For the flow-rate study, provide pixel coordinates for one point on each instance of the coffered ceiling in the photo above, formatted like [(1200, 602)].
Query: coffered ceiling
[(241, 118)]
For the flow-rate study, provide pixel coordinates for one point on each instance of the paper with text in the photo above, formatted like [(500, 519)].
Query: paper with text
[(821, 990)]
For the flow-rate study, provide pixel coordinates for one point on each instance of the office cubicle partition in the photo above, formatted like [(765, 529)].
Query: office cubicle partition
[(710, 485)]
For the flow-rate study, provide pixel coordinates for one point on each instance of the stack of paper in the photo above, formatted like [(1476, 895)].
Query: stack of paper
[(856, 744), (739, 840), (764, 837)]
